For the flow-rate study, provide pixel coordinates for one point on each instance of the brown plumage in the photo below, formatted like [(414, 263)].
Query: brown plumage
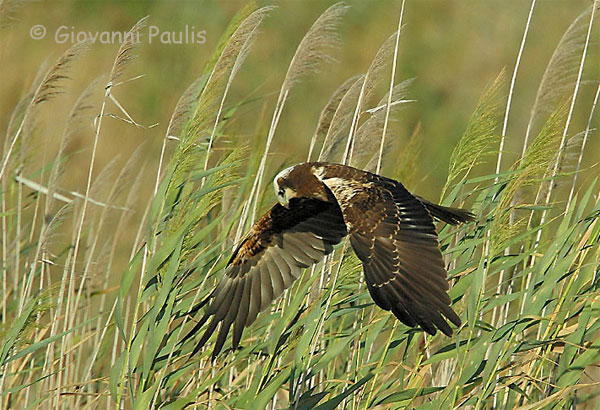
[(390, 230)]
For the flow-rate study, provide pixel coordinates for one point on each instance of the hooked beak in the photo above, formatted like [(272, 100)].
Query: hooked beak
[(283, 202)]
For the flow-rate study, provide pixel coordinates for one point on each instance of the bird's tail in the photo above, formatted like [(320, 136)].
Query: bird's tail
[(452, 216)]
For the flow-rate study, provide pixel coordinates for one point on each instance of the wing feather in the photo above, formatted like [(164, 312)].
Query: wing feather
[(255, 298), (266, 290), (296, 251), (267, 261), (275, 273), (244, 311), (394, 236), (285, 271), (220, 293)]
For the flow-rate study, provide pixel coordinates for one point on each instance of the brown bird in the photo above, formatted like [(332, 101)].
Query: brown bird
[(390, 230)]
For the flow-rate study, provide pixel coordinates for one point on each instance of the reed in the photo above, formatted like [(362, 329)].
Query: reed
[(80, 331)]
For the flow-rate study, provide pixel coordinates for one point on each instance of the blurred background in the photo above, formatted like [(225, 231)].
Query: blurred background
[(453, 49)]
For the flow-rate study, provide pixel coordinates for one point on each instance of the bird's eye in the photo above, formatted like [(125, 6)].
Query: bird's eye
[(281, 192)]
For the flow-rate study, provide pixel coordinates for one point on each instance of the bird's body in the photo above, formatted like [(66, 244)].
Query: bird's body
[(391, 231)]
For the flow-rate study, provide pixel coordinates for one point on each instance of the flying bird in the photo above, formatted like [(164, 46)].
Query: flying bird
[(391, 231)]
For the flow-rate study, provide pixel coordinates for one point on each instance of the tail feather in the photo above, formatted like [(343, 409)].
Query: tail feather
[(452, 216)]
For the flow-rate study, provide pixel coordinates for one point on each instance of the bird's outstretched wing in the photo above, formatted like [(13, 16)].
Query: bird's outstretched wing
[(267, 261), (394, 236)]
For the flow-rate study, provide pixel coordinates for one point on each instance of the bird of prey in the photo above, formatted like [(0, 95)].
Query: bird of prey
[(391, 231)]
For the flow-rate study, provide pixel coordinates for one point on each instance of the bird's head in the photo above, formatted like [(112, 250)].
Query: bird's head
[(299, 181)]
